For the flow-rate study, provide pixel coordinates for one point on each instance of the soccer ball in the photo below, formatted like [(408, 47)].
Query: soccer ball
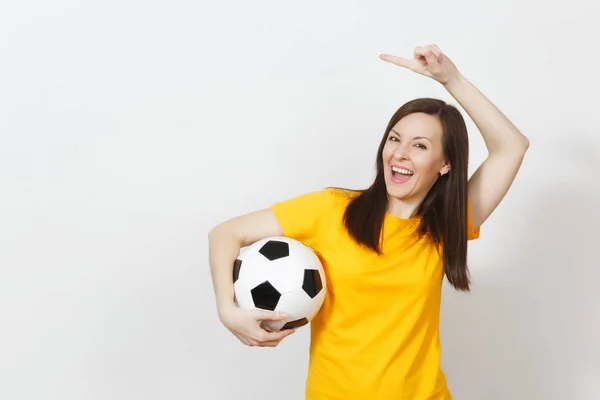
[(280, 274)]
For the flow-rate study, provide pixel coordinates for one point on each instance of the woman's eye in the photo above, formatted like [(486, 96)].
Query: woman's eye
[(394, 139), (421, 146)]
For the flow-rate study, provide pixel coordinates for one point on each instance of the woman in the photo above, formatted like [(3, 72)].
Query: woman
[(386, 249)]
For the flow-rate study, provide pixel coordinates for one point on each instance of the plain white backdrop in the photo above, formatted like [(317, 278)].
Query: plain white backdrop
[(130, 128)]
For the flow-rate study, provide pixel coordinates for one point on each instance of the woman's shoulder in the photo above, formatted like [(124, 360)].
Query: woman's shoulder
[(341, 193), (328, 199)]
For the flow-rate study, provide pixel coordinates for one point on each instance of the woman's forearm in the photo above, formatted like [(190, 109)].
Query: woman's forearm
[(499, 133), (223, 249)]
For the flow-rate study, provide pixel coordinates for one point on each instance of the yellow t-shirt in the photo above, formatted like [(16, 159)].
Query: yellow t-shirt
[(376, 335)]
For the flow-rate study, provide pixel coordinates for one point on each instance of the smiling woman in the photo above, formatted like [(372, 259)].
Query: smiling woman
[(421, 172), (386, 249)]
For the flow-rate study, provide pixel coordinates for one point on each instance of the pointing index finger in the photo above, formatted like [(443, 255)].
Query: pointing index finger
[(402, 62)]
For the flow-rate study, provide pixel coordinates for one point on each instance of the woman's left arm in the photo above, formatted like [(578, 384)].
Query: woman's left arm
[(505, 143)]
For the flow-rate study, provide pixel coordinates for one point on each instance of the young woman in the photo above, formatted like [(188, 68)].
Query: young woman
[(386, 249)]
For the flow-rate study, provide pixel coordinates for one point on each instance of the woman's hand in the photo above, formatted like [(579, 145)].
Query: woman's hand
[(246, 325), (428, 61)]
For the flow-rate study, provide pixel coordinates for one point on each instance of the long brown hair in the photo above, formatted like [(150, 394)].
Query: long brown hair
[(443, 211)]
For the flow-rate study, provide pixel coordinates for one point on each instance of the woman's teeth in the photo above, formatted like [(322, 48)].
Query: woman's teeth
[(402, 171)]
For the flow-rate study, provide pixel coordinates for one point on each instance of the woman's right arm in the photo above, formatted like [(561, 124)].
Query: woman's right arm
[(225, 241)]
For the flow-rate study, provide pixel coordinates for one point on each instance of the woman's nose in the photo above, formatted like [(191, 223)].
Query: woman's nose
[(400, 152)]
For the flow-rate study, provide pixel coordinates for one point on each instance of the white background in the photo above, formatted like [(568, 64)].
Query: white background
[(130, 128)]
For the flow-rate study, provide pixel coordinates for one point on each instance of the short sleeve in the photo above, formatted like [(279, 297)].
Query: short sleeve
[(302, 217), (472, 234)]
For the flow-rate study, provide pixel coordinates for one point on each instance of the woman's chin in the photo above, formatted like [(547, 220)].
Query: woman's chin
[(398, 191)]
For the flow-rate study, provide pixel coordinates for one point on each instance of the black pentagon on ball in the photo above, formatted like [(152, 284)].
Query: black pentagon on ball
[(312, 284), (274, 250), (295, 324), (265, 296), (237, 265)]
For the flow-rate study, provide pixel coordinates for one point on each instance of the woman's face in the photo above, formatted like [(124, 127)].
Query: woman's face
[(413, 156)]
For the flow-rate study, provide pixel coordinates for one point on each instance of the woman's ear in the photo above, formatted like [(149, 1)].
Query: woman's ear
[(445, 169)]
